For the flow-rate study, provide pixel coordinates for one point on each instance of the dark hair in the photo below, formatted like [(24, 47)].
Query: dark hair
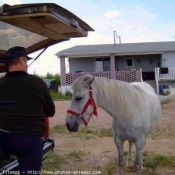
[(13, 61)]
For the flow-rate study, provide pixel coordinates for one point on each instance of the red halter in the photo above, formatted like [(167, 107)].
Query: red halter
[(89, 102)]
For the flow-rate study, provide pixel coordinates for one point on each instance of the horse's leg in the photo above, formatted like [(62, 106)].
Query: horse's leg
[(120, 146), (139, 152), (129, 158)]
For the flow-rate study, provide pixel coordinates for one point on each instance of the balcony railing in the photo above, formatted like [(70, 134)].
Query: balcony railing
[(164, 74), (128, 76)]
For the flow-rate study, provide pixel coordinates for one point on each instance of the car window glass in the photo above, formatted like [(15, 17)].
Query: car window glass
[(47, 82), (11, 36)]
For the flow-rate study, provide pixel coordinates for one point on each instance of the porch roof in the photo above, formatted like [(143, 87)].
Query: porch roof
[(118, 49)]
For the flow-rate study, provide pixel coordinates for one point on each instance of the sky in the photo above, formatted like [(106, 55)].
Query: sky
[(134, 21)]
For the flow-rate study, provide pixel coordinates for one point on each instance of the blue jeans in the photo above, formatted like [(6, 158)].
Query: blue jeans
[(28, 149)]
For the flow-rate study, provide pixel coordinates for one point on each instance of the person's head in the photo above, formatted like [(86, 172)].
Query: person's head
[(16, 59)]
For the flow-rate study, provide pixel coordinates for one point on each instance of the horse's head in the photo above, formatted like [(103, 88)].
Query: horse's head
[(82, 104)]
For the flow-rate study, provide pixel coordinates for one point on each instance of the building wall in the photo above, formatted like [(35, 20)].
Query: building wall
[(81, 64), (168, 59), (146, 62)]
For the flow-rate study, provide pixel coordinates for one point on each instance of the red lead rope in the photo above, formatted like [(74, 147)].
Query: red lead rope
[(92, 101), (47, 127), (89, 102)]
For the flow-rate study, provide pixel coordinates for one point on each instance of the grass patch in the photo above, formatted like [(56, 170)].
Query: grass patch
[(59, 96), (86, 131), (163, 132), (112, 166), (75, 154), (107, 151), (82, 133), (59, 129), (150, 163), (104, 132), (53, 162), (125, 153), (158, 161), (164, 160)]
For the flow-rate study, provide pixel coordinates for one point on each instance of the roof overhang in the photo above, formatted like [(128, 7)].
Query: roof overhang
[(98, 54)]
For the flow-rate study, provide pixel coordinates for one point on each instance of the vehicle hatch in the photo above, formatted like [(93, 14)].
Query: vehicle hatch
[(37, 26)]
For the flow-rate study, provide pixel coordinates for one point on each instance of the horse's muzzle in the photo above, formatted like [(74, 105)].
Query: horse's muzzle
[(73, 128)]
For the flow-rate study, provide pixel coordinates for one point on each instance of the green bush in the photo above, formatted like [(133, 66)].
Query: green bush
[(50, 76), (57, 77)]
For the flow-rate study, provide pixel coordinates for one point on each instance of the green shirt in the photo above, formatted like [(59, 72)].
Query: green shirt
[(25, 102)]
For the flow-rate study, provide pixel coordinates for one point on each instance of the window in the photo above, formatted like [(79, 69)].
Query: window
[(106, 64), (129, 62), (102, 64), (99, 65)]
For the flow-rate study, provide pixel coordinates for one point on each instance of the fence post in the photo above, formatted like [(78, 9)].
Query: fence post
[(157, 78)]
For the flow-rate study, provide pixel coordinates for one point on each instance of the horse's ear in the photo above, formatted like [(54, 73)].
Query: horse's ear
[(88, 81)]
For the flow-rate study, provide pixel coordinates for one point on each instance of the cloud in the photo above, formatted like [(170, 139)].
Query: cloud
[(12, 35), (136, 39), (8, 32), (112, 14)]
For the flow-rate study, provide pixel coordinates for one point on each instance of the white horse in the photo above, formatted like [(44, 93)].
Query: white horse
[(135, 109)]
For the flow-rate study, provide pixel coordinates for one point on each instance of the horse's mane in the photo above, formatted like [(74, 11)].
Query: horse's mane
[(123, 96)]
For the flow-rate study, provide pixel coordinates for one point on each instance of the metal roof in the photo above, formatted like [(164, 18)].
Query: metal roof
[(118, 49)]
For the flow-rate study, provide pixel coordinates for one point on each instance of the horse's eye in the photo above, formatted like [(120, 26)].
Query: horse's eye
[(78, 98)]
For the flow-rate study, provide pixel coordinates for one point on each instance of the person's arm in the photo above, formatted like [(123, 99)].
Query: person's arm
[(49, 107)]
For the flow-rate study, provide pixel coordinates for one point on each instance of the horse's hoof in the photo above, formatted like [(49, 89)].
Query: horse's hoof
[(130, 168)]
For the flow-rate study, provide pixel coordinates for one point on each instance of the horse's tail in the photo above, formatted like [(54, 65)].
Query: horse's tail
[(165, 99)]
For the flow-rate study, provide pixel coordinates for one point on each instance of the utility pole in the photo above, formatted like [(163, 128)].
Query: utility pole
[(120, 40), (116, 36)]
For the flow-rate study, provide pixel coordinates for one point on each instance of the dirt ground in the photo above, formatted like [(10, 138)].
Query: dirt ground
[(102, 150)]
